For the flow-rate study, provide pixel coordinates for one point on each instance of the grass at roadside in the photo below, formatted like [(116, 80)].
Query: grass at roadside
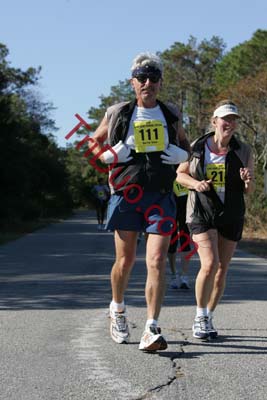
[(255, 242), (13, 231), (254, 246)]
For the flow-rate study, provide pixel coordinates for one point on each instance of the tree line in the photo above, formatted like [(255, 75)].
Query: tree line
[(196, 77), (33, 177), (39, 179)]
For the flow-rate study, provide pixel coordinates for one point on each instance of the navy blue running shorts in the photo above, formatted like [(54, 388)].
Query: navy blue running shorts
[(154, 212)]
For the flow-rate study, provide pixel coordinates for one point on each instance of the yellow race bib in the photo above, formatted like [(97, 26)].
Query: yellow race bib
[(101, 194), (216, 172), (179, 190), (148, 136)]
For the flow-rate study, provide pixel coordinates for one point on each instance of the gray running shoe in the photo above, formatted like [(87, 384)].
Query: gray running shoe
[(212, 330), (174, 283), (184, 283), (119, 330)]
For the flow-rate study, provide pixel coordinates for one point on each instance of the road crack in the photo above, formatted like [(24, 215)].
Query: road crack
[(177, 374)]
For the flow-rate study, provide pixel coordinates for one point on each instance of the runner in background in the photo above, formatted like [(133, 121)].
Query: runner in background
[(101, 195), (179, 278)]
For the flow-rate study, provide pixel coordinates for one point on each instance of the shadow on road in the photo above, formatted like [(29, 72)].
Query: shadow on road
[(67, 266)]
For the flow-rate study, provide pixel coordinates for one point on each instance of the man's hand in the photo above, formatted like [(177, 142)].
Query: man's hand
[(123, 153), (174, 155)]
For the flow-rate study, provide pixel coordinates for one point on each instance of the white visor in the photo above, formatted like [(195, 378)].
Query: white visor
[(226, 109)]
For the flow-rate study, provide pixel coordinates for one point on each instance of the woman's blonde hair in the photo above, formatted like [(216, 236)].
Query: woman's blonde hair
[(223, 102)]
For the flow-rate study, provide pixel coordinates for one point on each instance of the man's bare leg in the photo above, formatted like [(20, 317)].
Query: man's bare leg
[(157, 249), (156, 255), (125, 246)]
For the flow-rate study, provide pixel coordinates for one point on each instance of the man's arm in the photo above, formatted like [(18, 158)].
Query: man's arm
[(99, 137), (119, 153)]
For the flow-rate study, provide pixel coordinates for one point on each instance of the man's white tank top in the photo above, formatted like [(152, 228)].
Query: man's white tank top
[(147, 130)]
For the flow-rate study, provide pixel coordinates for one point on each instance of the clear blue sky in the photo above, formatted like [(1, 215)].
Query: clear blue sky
[(85, 47)]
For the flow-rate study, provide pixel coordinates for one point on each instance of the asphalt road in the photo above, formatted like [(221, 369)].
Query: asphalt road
[(54, 329)]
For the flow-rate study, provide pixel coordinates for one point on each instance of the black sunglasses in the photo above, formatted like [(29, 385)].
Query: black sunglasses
[(142, 78)]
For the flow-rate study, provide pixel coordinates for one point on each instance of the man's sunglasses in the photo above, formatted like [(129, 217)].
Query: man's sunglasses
[(142, 78)]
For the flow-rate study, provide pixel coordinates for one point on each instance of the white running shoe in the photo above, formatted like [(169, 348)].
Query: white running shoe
[(152, 339), (201, 328), (119, 330)]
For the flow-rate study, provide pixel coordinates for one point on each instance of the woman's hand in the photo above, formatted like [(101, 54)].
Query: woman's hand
[(246, 175), (202, 186)]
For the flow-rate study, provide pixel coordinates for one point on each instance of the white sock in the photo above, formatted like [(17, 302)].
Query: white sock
[(151, 322), (202, 312), (118, 307), (210, 313)]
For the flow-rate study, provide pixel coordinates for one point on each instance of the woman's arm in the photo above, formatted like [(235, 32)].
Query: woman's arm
[(188, 181), (247, 175)]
